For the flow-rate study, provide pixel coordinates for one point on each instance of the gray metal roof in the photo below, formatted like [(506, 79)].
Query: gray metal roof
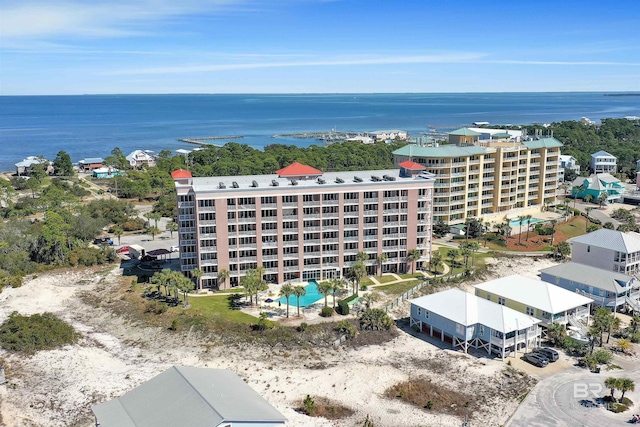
[(591, 276), (602, 153), (611, 239), (186, 396)]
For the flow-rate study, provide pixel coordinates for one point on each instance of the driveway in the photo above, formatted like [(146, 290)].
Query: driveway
[(569, 399)]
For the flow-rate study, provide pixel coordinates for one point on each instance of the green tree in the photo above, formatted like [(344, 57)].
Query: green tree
[(33, 185), (62, 164), (612, 384), (162, 279), (185, 285), (118, 232), (625, 385), (324, 288), (382, 258), (369, 299), (356, 273), (196, 273), (588, 198), (465, 251), (521, 220), (375, 319), (286, 291), (562, 249), (337, 286), (413, 255), (602, 198), (452, 254), (587, 210), (556, 333), (153, 231), (223, 275), (440, 228), (362, 256), (528, 218), (171, 227), (602, 320), (298, 292), (435, 261)]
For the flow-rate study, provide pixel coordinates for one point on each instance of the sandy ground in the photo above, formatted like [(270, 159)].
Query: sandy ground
[(56, 388)]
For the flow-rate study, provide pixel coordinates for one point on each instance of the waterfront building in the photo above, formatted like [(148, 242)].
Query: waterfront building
[(106, 173), (597, 184), (386, 135), (25, 167), (488, 178), (603, 162), (301, 223), (91, 163), (611, 250), (139, 158)]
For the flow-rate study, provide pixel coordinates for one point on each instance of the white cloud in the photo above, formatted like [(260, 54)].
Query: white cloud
[(98, 18), (343, 61)]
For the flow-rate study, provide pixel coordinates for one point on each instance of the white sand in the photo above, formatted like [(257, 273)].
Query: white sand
[(56, 388)]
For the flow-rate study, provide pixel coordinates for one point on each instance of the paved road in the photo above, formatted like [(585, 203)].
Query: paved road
[(557, 400)]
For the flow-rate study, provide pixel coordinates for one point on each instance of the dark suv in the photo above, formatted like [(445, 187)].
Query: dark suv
[(536, 359), (549, 353)]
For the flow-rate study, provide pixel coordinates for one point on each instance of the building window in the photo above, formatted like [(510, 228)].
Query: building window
[(489, 296), (530, 311), (588, 248), (481, 331), (426, 314), (419, 311), (501, 301), (459, 329)]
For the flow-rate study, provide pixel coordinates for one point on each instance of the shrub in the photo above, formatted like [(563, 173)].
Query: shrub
[(346, 328), (174, 325), (13, 281), (30, 334), (602, 356), (326, 312), (156, 307), (303, 327), (375, 319), (343, 307), (309, 405), (133, 224)]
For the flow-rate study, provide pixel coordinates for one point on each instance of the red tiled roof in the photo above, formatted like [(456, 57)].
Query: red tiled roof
[(181, 173), (298, 169), (411, 165)]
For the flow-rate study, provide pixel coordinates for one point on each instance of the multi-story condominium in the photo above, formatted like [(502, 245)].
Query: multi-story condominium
[(488, 178), (603, 162), (301, 223), (610, 250)]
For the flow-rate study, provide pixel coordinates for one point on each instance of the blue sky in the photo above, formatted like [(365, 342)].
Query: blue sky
[(304, 46)]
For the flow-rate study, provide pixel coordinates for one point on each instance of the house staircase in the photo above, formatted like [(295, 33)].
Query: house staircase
[(573, 321), (633, 304)]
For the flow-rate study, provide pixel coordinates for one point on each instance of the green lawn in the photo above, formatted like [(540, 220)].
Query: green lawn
[(217, 308), (385, 279), (411, 276), (478, 260), (397, 289), (572, 229)]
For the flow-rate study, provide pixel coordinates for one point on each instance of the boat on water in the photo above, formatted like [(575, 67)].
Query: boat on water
[(576, 335)]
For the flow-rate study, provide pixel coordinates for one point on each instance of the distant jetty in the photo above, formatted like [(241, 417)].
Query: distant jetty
[(203, 140), (327, 136)]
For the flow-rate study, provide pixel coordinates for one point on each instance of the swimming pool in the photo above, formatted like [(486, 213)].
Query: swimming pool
[(311, 296), (516, 222)]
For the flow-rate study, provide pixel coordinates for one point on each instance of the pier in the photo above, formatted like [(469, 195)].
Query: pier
[(203, 140), (326, 136)]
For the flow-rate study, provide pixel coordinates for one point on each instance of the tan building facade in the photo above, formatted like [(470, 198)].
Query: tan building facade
[(302, 224), (488, 179)]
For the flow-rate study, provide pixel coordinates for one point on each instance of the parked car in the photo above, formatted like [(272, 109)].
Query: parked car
[(174, 249), (103, 241), (122, 250), (536, 359), (498, 351), (549, 353)]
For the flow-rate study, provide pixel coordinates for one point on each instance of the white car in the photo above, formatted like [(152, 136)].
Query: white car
[(174, 248)]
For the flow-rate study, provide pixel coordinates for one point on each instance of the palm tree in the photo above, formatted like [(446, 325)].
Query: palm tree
[(337, 285), (413, 256), (614, 325), (587, 210), (382, 258), (553, 223), (362, 256), (196, 273), (118, 232), (356, 273), (299, 291), (473, 247), (325, 289), (625, 385), (162, 278), (612, 384), (153, 231), (452, 254), (155, 216), (521, 219), (185, 285), (223, 275), (285, 291), (602, 197), (435, 261), (556, 332), (588, 198), (528, 218), (171, 227)]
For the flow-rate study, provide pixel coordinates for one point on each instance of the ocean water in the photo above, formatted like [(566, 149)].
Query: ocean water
[(92, 125)]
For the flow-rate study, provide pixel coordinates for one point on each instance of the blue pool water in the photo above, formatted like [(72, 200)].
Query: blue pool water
[(311, 296), (516, 222)]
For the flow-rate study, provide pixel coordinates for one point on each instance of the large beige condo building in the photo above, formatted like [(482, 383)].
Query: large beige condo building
[(488, 178), (302, 224)]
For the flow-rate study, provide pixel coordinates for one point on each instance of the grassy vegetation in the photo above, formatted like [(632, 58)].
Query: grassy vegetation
[(218, 307), (30, 334), (478, 260), (572, 229), (397, 289), (385, 279), (411, 276), (433, 397)]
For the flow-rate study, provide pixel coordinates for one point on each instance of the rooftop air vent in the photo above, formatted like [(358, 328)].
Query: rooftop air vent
[(294, 182), (321, 181), (235, 184), (254, 183), (339, 181), (357, 179), (274, 183), (375, 178), (222, 186)]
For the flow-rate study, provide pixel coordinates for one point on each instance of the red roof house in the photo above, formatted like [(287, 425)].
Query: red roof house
[(412, 166), (181, 174), (298, 170)]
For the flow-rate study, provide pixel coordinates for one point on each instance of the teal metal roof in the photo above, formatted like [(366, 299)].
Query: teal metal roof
[(465, 132), (442, 151), (502, 135), (543, 143)]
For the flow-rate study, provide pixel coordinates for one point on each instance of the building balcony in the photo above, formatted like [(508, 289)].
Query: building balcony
[(269, 257), (186, 204), (208, 249), (206, 209), (250, 220), (371, 200), (207, 222), (290, 204), (371, 213), (251, 207), (369, 238)]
